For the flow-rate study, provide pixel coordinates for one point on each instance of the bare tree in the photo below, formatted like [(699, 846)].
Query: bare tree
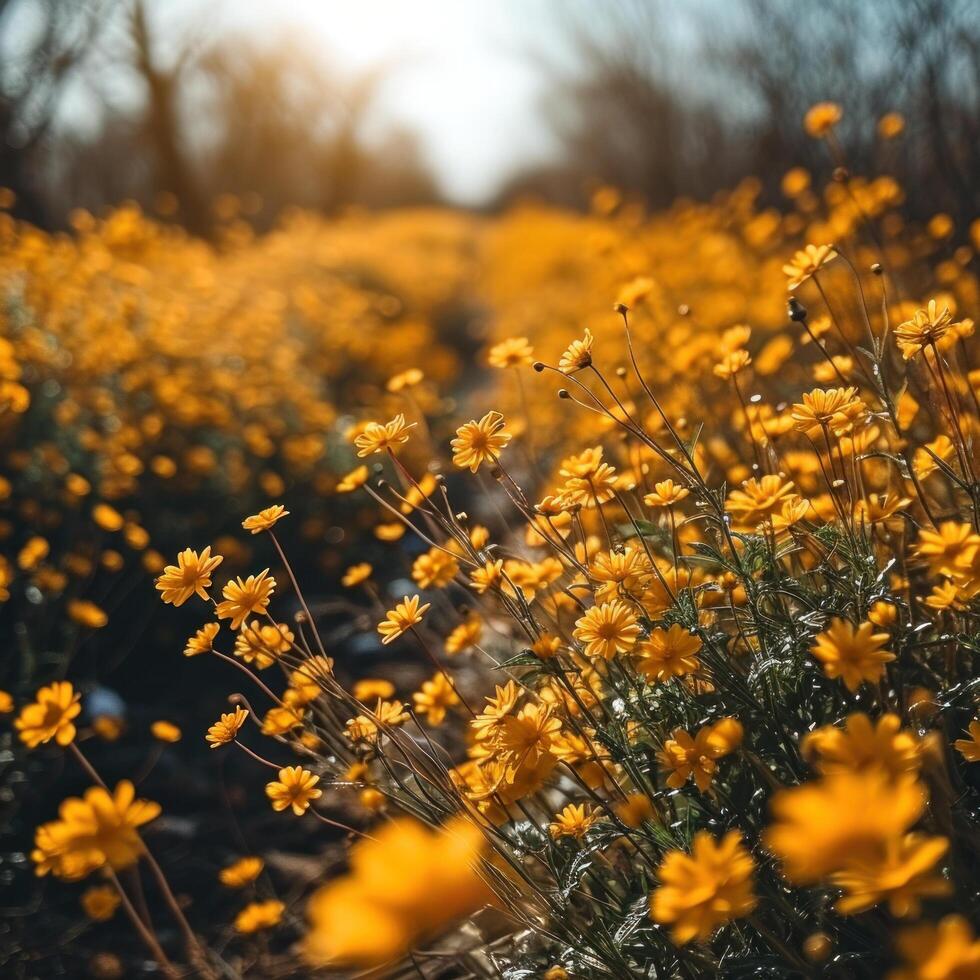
[(42, 43)]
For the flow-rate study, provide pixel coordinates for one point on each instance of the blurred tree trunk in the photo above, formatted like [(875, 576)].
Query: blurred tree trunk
[(163, 128)]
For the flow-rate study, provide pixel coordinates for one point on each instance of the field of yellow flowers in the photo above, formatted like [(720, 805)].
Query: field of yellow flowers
[(563, 595)]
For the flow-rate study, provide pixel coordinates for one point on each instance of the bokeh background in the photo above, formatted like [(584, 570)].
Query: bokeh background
[(228, 225)]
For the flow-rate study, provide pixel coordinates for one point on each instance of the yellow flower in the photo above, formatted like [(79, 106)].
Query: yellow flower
[(100, 902), (365, 728), (370, 688), (862, 744), (404, 616), (578, 354), (574, 821), (759, 499), (806, 263), (434, 569), (731, 363), (377, 438), (259, 915), (263, 643), (6, 703), (296, 788), (853, 655), (822, 825), (480, 442), (926, 328), (464, 636), (97, 829), (202, 641), (947, 951), (891, 125), (950, 550), (435, 696), (821, 118), (242, 598), (353, 480), (50, 716), (242, 872), (108, 518), (666, 493), (191, 574), (406, 882), (513, 352), (969, 748), (356, 574), (226, 728), (898, 873), (406, 379), (264, 519), (165, 731), (667, 653), (607, 629), (685, 757), (834, 409), (706, 889), (87, 613)]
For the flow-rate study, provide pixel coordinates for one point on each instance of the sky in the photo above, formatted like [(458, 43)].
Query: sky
[(464, 77)]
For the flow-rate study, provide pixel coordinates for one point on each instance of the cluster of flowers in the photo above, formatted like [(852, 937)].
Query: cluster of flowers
[(697, 694)]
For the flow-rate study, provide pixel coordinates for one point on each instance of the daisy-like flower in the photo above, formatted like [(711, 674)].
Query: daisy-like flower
[(480, 442), (404, 379), (370, 688), (378, 437), (731, 363), (356, 574), (50, 716), (836, 409), (404, 616), (353, 480), (948, 950), (165, 731), (926, 328), (684, 757), (512, 352), (226, 728), (87, 613), (97, 829), (242, 872), (264, 519), (191, 574), (825, 824), (667, 653), (100, 902), (853, 655), (705, 889), (969, 748), (434, 569), (259, 915), (607, 629), (821, 118), (578, 354), (202, 641), (665, 494), (464, 636), (365, 728), (243, 598), (901, 874), (434, 698), (574, 821), (296, 788), (864, 744), (806, 263)]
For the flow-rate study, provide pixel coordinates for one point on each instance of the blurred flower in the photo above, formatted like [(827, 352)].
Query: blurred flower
[(50, 716)]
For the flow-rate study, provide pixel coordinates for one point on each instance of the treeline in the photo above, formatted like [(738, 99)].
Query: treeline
[(660, 99)]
